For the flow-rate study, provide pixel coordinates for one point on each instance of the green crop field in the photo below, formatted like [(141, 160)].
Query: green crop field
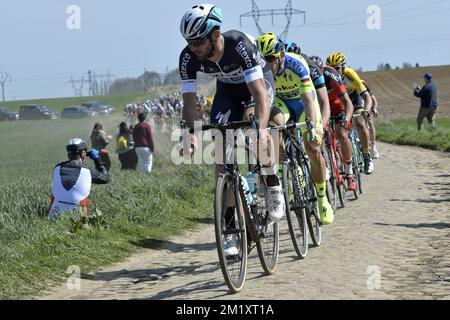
[(404, 131), (137, 210)]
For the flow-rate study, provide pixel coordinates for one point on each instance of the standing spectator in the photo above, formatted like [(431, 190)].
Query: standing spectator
[(144, 144), (99, 140), (428, 101), (124, 148)]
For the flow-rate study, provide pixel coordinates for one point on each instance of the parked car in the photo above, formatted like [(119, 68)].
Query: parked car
[(7, 114), (78, 112), (102, 108), (36, 111)]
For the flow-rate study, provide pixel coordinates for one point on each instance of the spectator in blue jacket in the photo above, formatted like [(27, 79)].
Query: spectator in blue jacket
[(428, 101)]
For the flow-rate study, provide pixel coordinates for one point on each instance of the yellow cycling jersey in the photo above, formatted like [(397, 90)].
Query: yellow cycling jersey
[(353, 82), (295, 79)]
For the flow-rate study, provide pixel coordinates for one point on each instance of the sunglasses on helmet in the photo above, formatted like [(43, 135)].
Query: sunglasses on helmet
[(197, 42)]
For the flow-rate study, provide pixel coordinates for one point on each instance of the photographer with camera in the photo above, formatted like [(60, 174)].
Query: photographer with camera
[(72, 179)]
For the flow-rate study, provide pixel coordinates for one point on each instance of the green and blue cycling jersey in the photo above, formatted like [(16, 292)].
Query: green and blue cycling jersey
[(292, 82)]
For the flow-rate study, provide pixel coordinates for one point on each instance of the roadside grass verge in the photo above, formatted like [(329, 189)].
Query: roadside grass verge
[(36, 252), (404, 132)]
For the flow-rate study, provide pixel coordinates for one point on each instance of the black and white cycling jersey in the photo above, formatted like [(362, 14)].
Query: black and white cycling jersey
[(241, 62)]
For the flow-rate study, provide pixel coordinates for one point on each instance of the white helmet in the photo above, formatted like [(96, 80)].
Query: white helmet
[(76, 145), (199, 21)]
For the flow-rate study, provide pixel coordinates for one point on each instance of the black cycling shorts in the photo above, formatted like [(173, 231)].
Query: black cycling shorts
[(231, 100), (357, 101)]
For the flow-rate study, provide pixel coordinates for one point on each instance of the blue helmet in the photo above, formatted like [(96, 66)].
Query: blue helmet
[(200, 20), (292, 47)]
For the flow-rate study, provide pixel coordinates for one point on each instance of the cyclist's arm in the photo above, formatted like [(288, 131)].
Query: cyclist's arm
[(308, 102), (374, 102), (188, 67), (258, 91), (189, 109), (367, 100), (345, 99), (322, 95)]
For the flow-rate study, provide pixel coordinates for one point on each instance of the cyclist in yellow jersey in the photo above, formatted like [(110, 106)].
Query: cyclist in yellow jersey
[(361, 99), (295, 94)]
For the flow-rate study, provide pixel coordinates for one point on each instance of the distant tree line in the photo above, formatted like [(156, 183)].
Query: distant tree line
[(149, 80), (386, 66)]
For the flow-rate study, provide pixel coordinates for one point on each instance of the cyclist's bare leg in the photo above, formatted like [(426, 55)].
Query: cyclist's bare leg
[(345, 143), (318, 170), (363, 133), (372, 130)]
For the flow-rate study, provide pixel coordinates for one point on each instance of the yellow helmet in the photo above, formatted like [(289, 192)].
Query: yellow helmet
[(336, 59), (270, 45)]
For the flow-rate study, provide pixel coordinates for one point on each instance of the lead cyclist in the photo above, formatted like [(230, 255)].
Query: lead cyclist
[(244, 86)]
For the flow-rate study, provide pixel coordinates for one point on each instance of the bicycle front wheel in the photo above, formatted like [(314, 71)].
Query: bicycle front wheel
[(332, 191), (295, 210), (231, 225)]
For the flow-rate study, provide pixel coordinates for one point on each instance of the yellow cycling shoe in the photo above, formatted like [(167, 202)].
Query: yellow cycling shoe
[(326, 212)]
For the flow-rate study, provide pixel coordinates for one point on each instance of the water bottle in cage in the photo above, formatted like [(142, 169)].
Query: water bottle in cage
[(247, 192)]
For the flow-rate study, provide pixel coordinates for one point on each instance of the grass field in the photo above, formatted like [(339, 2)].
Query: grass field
[(137, 209), (404, 131)]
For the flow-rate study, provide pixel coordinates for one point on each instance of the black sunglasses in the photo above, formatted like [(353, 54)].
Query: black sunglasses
[(196, 42)]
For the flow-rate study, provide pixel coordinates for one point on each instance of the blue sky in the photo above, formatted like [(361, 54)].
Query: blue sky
[(126, 37)]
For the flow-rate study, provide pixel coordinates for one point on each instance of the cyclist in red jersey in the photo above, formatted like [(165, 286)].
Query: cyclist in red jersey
[(340, 103)]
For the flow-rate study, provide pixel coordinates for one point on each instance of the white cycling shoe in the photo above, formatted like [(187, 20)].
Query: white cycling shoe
[(275, 203), (229, 245), (375, 153)]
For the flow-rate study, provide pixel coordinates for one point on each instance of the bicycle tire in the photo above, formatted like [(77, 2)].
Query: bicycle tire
[(312, 214), (267, 249), (298, 227), (331, 192), (357, 174), (234, 280), (341, 188)]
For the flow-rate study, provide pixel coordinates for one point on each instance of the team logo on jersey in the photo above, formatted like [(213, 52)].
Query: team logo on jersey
[(244, 54), (184, 63)]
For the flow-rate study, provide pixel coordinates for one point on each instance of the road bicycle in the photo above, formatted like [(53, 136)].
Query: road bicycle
[(240, 213)]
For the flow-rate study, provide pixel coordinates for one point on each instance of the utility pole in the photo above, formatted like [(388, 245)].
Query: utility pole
[(92, 79), (288, 11), (4, 77), (77, 89)]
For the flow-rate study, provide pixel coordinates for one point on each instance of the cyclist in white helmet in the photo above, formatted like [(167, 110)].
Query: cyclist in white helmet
[(244, 84)]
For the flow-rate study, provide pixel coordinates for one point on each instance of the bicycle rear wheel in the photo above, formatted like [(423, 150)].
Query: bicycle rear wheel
[(295, 211), (234, 268), (267, 242)]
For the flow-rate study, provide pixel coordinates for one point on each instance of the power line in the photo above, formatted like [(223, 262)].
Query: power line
[(362, 21), (353, 14), (414, 9), (288, 11)]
